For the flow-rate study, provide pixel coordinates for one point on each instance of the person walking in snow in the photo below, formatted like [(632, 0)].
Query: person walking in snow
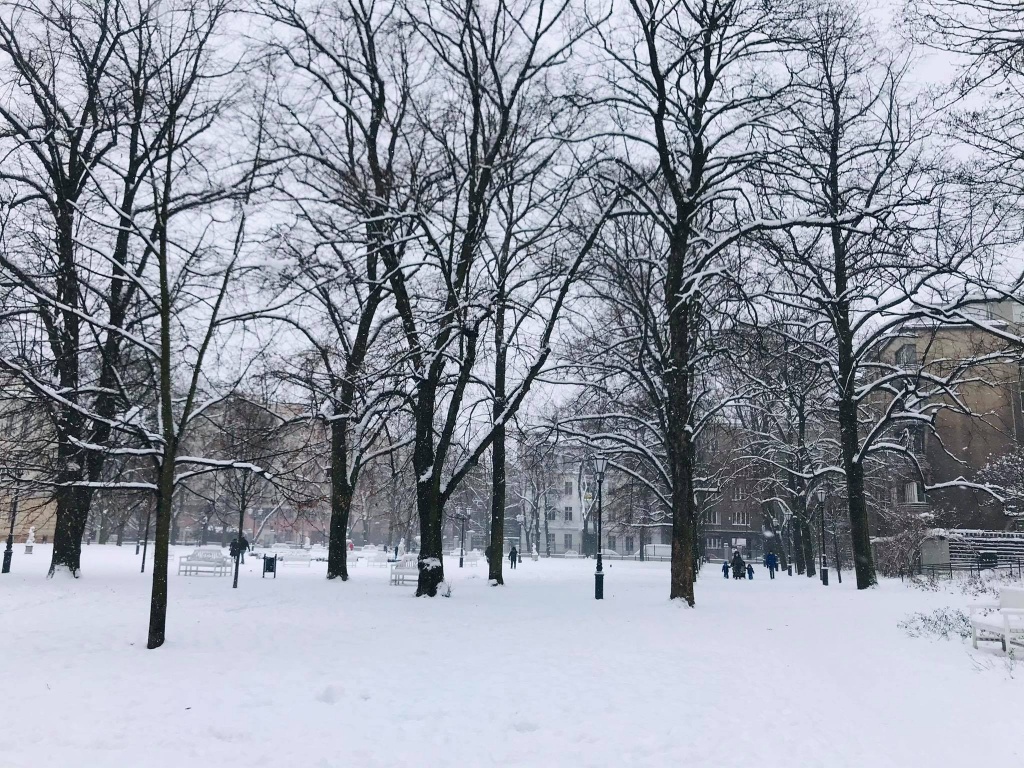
[(725, 569), (773, 563), (243, 546), (513, 556), (737, 565), (750, 571)]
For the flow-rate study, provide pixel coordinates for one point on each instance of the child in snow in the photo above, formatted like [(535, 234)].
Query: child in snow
[(750, 571), (725, 569)]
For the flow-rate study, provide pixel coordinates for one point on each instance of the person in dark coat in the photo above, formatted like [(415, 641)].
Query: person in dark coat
[(725, 569), (487, 554), (243, 547), (772, 561), (513, 556), (750, 571), (738, 565)]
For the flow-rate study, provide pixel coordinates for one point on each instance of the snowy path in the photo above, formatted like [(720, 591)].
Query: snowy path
[(301, 672)]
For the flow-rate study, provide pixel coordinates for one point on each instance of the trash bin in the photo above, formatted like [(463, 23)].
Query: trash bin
[(269, 565)]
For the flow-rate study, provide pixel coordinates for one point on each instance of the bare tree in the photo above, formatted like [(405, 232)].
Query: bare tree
[(74, 101), (493, 115), (343, 117)]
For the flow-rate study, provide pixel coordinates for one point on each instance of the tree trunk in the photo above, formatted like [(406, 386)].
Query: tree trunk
[(341, 504), (807, 536), (796, 534), (494, 568), (161, 542), (431, 559), (498, 485), (69, 530), (863, 560)]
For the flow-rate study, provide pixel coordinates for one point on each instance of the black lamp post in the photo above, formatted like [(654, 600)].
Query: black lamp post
[(462, 547), (9, 551), (824, 557), (600, 464)]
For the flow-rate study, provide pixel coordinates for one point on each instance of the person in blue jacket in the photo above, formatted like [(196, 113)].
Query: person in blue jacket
[(772, 561), (750, 571), (725, 569)]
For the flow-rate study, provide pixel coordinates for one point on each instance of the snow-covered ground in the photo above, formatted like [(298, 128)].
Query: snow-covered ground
[(301, 672)]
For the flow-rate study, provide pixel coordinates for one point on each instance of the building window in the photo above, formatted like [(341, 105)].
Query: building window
[(906, 355), (551, 514), (912, 493), (568, 488), (741, 518), (568, 514), (915, 438), (611, 542), (737, 493), (629, 545), (714, 517), (713, 542), (551, 540), (568, 541)]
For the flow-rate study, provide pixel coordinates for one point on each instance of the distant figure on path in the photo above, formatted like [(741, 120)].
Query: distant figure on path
[(725, 569), (738, 571), (243, 547), (772, 561), (487, 554), (513, 556), (750, 571)]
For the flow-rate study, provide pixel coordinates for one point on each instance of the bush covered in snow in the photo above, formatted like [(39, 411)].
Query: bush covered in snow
[(942, 622)]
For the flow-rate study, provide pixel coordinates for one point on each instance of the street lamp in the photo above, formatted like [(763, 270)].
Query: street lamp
[(462, 547), (824, 557), (600, 464), (9, 551)]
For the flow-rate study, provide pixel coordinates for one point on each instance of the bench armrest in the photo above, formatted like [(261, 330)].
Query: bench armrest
[(982, 607)]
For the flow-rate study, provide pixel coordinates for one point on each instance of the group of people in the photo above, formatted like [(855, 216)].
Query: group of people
[(744, 570)]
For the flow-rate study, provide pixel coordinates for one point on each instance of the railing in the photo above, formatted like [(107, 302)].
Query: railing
[(1013, 566)]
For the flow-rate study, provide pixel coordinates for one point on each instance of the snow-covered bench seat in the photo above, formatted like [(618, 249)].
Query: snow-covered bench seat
[(204, 561), (1002, 621), (405, 571), (293, 557), (473, 558)]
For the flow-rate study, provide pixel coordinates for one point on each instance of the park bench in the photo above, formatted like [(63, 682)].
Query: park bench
[(293, 557), (405, 571), (1002, 621), (473, 559), (570, 553), (377, 559), (204, 561)]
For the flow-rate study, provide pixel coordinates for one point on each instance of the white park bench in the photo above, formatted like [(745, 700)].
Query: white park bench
[(473, 559), (405, 570), (293, 557), (204, 561), (570, 553), (1002, 621), (377, 559)]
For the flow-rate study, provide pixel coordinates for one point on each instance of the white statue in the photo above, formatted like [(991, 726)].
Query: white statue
[(535, 555), (401, 547), (31, 535)]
